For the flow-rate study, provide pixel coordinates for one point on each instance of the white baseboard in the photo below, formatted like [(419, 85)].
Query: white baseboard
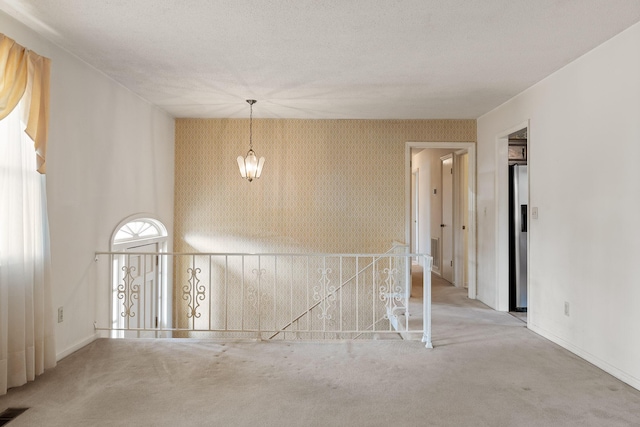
[(605, 366), (75, 347)]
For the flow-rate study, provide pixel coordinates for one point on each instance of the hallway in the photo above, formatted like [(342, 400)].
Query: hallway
[(486, 369)]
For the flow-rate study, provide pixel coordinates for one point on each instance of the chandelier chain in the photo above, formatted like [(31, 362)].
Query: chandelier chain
[(251, 126)]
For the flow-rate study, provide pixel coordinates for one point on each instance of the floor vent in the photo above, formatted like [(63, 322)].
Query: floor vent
[(10, 414)]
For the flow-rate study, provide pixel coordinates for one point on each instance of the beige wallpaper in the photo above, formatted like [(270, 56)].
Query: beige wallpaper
[(327, 185)]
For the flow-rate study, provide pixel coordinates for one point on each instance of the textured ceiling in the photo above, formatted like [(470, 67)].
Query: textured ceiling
[(367, 59)]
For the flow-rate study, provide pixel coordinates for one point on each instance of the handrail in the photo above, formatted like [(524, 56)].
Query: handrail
[(256, 254)]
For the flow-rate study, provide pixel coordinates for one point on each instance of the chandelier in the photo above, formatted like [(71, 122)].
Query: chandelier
[(250, 166)]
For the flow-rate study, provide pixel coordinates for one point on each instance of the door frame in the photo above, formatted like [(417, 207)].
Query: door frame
[(460, 217), (470, 147), (454, 231), (155, 307), (502, 215), (164, 271), (415, 212)]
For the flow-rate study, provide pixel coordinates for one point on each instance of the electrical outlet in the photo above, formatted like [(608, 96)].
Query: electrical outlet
[(566, 308), (60, 315)]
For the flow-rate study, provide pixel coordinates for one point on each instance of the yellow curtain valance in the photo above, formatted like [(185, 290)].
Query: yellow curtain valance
[(24, 73)]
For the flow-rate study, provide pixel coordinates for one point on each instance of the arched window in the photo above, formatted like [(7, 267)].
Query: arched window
[(138, 230)]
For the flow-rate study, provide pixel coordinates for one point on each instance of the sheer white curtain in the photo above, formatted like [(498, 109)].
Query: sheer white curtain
[(26, 316)]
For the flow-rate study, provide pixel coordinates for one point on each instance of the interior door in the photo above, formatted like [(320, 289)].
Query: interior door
[(446, 226), (138, 293), (415, 229), (464, 199)]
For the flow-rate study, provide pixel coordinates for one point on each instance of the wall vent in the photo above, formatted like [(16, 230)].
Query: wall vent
[(435, 252)]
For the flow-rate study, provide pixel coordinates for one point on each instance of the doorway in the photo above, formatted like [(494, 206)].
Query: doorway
[(446, 224), (461, 213), (518, 223), (502, 208), (138, 292), (415, 197), (462, 219), (139, 278)]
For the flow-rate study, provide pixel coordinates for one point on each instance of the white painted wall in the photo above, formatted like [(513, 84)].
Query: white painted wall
[(110, 155), (584, 171)]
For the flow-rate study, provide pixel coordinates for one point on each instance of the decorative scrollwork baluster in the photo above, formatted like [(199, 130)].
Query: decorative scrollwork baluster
[(128, 291), (252, 291), (193, 293), (325, 293), (390, 292)]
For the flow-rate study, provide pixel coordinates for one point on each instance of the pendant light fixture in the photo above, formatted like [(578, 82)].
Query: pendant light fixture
[(250, 166)]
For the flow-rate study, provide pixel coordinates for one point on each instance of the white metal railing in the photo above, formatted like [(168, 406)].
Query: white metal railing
[(263, 296)]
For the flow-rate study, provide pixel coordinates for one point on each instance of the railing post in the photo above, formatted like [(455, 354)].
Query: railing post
[(408, 282), (426, 302)]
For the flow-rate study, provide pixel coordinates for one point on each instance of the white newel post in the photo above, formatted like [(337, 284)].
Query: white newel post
[(426, 302)]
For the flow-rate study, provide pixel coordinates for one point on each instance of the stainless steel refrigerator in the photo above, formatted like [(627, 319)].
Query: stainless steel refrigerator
[(518, 202)]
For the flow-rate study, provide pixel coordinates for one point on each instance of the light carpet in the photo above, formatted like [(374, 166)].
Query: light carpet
[(486, 369)]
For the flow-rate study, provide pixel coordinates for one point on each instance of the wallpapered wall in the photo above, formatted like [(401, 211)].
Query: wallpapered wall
[(327, 185)]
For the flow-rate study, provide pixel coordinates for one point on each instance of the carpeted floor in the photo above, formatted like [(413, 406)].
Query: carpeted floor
[(486, 369)]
